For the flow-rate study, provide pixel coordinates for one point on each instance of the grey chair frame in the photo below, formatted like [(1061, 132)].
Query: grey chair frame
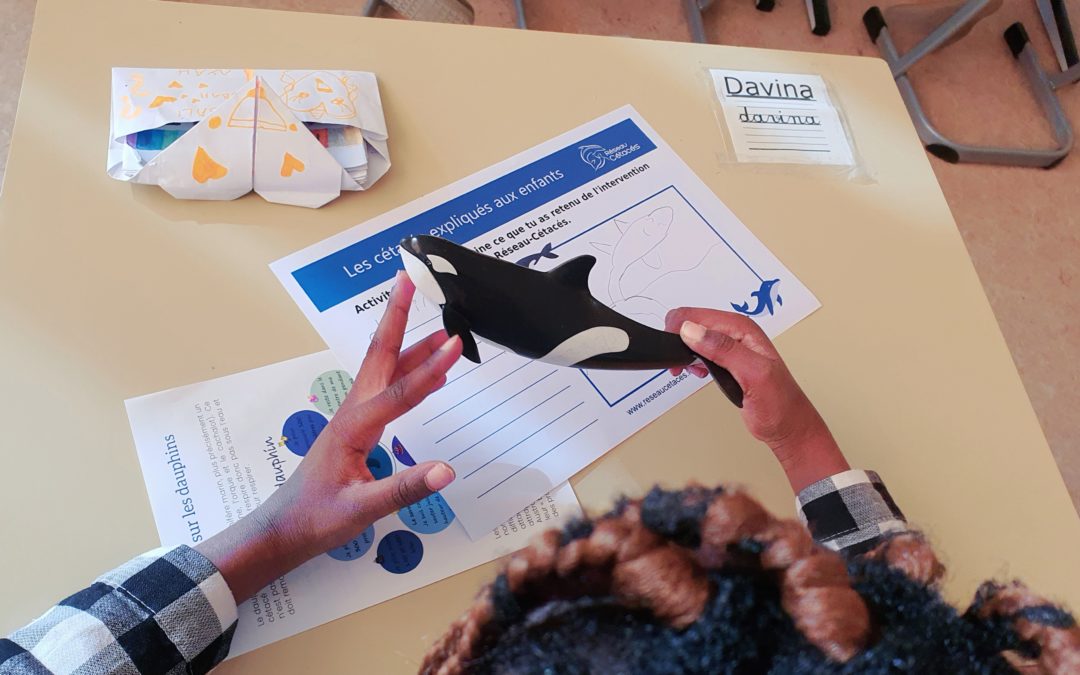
[(1042, 85), (816, 10), (1059, 28)]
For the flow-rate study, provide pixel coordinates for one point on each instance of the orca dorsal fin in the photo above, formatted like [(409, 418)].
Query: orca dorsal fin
[(575, 272)]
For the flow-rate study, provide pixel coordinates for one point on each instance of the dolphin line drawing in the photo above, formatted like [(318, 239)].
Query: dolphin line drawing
[(548, 316), (763, 296), (530, 260)]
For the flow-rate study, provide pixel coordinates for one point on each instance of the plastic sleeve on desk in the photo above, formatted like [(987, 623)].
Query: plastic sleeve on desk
[(1016, 37), (874, 22)]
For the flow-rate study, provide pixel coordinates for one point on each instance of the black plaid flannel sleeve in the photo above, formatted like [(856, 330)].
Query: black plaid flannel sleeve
[(166, 611), (849, 512)]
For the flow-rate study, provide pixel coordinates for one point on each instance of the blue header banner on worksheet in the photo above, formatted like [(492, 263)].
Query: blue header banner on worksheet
[(368, 263)]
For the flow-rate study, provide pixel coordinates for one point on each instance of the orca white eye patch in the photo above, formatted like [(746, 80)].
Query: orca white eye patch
[(440, 264)]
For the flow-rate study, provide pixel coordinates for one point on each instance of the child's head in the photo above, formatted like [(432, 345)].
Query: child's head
[(706, 581)]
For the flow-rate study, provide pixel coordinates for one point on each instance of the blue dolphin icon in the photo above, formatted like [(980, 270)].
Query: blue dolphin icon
[(764, 300), (530, 260), (401, 453)]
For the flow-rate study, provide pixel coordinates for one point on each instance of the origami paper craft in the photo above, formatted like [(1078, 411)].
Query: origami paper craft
[(295, 137)]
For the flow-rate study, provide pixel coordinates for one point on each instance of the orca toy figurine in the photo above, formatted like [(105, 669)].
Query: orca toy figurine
[(549, 316)]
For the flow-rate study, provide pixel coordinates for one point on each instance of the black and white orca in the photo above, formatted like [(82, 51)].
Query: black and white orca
[(549, 316)]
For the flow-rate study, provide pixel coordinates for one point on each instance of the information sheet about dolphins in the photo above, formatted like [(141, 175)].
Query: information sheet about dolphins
[(213, 451), (513, 428)]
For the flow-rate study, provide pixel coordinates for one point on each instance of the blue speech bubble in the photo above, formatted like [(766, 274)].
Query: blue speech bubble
[(379, 463), (429, 515), (400, 552), (355, 549), (301, 430), (401, 453)]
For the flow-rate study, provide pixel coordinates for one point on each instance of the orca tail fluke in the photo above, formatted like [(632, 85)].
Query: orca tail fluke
[(726, 381)]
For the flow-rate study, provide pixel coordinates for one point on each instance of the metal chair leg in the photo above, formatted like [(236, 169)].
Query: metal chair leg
[(937, 38), (694, 19), (1059, 29), (1066, 77), (519, 11), (818, 12), (952, 151)]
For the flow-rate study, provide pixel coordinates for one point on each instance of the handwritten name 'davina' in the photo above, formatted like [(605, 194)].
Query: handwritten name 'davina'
[(779, 117)]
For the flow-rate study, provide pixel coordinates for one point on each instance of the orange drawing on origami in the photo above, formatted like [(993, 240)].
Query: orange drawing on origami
[(204, 167), (290, 164)]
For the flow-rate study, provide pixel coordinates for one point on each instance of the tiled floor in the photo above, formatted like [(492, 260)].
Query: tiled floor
[(1021, 226), (16, 16)]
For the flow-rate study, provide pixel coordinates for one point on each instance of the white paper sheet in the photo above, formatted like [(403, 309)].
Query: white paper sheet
[(212, 451), (513, 428), (781, 118)]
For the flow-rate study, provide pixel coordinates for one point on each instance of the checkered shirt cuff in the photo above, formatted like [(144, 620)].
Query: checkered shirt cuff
[(849, 512), (166, 611)]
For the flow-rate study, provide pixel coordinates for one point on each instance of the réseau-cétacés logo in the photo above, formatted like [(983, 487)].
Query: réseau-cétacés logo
[(597, 156)]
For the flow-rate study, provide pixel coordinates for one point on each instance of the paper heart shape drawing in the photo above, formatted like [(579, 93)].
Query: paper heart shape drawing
[(294, 137), (290, 164)]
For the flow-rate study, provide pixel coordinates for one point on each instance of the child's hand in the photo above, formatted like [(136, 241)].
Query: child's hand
[(332, 496), (775, 410)]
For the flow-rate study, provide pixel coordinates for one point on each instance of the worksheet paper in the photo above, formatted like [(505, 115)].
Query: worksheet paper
[(514, 428), (213, 451), (781, 118)]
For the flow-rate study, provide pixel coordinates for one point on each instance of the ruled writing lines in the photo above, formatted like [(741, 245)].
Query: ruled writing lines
[(537, 458)]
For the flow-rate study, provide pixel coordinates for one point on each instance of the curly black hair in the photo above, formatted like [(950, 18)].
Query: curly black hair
[(706, 581)]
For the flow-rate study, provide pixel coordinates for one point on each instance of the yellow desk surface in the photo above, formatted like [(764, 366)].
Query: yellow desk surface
[(110, 290)]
